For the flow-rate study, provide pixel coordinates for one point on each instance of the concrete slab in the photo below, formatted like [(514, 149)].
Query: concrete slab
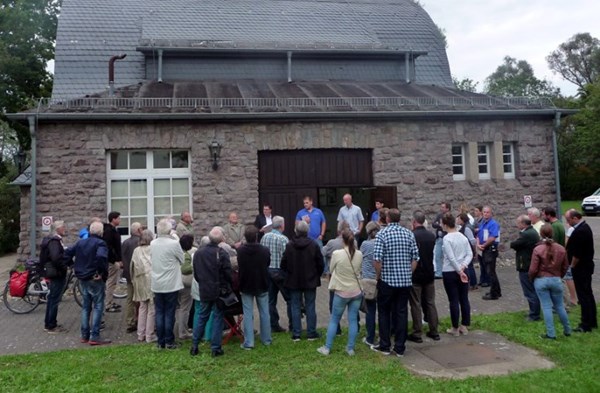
[(480, 353)]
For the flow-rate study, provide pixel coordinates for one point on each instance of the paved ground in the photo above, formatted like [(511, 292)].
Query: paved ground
[(25, 334)]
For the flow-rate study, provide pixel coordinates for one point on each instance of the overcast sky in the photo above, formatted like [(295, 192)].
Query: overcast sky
[(481, 32)]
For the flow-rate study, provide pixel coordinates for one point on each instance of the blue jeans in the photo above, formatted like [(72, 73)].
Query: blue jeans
[(206, 310), (208, 328), (92, 292), (530, 295), (472, 275), (56, 287), (484, 278), (262, 302), (309, 306), (438, 256), (550, 292), (274, 290), (339, 305), (458, 297), (165, 305), (392, 306), (370, 320)]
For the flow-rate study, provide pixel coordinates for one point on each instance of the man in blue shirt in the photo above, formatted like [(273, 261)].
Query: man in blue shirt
[(315, 219), (488, 238), (378, 205)]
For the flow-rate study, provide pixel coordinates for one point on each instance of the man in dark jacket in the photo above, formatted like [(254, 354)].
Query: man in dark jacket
[(91, 268), (55, 268), (524, 245), (253, 261), (112, 237), (212, 272), (580, 251), (422, 293), (303, 263)]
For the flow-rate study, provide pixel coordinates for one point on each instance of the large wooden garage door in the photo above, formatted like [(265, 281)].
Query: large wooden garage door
[(285, 176)]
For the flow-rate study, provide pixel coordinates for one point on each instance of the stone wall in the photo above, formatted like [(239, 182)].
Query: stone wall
[(412, 155)]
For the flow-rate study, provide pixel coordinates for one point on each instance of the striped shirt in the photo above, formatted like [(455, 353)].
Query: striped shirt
[(368, 270), (275, 242), (396, 248)]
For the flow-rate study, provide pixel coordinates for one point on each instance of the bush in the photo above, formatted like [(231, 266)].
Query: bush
[(9, 217)]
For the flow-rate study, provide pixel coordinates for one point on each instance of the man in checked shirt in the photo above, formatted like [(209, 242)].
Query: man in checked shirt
[(395, 257)]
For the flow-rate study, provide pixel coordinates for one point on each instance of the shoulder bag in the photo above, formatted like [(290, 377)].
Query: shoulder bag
[(363, 302)]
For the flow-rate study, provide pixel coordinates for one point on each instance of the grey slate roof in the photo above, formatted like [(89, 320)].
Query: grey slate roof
[(91, 31)]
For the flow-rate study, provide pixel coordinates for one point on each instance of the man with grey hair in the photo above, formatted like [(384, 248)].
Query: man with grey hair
[(536, 218), (91, 268), (302, 263), (523, 246), (166, 281), (212, 272), (55, 268), (276, 241), (184, 227), (127, 252)]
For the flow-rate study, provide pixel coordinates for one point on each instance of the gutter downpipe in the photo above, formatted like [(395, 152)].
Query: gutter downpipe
[(289, 66), (160, 65), (407, 67), (33, 192), (556, 167), (111, 73)]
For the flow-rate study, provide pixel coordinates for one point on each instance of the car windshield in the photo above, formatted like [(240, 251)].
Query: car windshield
[(596, 193)]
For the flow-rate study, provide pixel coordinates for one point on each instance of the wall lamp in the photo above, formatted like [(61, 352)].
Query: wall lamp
[(20, 160), (215, 153)]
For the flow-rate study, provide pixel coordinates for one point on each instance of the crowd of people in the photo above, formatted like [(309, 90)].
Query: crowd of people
[(180, 287)]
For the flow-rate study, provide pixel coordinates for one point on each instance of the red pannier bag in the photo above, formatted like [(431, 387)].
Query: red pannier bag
[(18, 283)]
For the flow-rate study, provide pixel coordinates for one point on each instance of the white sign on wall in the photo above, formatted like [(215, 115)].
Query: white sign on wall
[(46, 223), (527, 201)]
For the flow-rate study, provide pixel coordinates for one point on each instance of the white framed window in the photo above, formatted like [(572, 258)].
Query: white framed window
[(146, 186), (508, 160), (458, 162), (483, 160)]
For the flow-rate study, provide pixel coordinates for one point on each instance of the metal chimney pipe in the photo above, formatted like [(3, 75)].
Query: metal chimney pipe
[(111, 72)]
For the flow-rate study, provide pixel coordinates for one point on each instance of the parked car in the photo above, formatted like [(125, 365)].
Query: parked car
[(591, 204)]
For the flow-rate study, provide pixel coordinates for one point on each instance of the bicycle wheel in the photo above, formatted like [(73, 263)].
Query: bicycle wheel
[(77, 293), (22, 305)]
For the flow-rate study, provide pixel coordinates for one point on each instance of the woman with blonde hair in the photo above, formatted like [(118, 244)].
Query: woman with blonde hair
[(345, 270), (141, 270), (548, 265)]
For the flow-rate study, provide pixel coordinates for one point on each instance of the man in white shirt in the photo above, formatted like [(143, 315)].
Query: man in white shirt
[(352, 214)]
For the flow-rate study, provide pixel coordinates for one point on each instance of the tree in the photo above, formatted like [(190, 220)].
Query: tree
[(27, 36), (577, 60), (516, 78), (465, 84)]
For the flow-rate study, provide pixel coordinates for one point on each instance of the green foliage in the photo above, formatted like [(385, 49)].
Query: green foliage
[(27, 35), (515, 78), (9, 214), (579, 147), (577, 60), (286, 366), (465, 84)]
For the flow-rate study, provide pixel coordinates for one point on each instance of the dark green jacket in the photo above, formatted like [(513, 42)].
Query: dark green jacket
[(524, 245)]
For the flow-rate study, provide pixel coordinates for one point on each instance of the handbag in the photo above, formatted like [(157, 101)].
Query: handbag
[(228, 299), (369, 286), (363, 302)]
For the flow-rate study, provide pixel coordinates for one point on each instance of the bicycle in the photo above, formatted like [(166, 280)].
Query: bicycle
[(37, 290)]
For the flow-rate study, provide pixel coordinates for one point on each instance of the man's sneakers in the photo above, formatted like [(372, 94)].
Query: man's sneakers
[(99, 342), (433, 336), (56, 330), (313, 337), (415, 339), (377, 348)]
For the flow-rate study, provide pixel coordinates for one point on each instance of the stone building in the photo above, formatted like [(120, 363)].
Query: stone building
[(222, 106)]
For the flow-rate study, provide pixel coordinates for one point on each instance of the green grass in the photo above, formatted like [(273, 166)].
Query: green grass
[(295, 367), (566, 205)]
